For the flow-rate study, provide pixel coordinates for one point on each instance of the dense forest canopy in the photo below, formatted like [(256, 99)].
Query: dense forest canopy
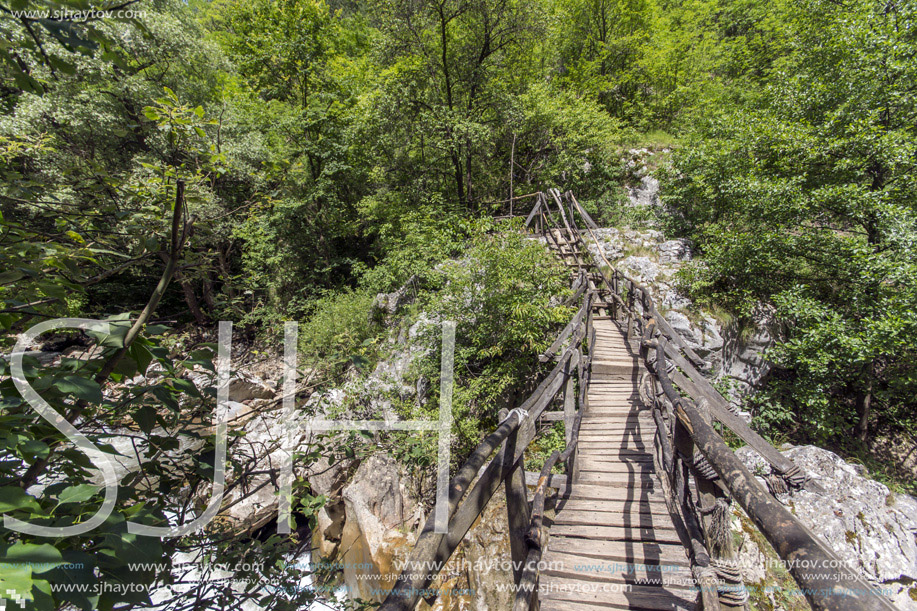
[(166, 165)]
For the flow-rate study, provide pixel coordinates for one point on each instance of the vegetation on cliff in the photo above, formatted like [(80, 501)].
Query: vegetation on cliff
[(165, 165)]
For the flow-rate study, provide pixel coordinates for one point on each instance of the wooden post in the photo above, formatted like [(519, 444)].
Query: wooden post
[(569, 398), (684, 446), (573, 469), (570, 414), (518, 510), (716, 527)]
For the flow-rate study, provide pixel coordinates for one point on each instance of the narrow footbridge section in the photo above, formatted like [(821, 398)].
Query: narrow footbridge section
[(640, 519)]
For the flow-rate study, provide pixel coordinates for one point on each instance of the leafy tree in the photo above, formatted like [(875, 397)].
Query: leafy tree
[(805, 202)]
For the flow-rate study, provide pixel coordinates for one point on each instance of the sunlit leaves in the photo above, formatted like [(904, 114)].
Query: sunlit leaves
[(803, 207)]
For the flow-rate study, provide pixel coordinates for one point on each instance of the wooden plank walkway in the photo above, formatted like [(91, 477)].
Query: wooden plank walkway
[(612, 542)]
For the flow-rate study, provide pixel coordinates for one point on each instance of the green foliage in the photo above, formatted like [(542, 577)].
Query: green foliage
[(545, 444), (340, 330), (805, 203), (503, 294)]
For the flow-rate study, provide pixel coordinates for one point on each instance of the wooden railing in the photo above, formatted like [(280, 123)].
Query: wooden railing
[(684, 406), (499, 460)]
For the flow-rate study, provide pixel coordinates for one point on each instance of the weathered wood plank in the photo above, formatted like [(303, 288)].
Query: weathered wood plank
[(646, 506), (577, 566), (622, 551), (600, 463), (573, 517), (568, 591), (618, 480), (555, 480), (607, 493), (626, 453)]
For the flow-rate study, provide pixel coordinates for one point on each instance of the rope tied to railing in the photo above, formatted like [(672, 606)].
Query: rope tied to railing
[(781, 483), (730, 585), (518, 411), (702, 466), (719, 521)]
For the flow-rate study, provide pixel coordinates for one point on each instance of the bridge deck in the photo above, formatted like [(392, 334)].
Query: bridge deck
[(612, 542)]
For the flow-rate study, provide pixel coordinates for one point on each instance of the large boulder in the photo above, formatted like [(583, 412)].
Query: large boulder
[(674, 251), (870, 528), (386, 305), (246, 388), (702, 336), (380, 517), (744, 364)]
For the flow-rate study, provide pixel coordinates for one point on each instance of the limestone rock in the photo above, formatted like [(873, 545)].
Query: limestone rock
[(646, 194), (674, 251), (379, 519), (743, 357), (386, 304), (869, 528), (245, 388), (610, 242), (642, 269), (704, 338), (488, 555)]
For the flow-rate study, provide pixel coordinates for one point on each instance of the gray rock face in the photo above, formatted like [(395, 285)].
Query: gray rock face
[(871, 529), (386, 304), (703, 337), (488, 558), (641, 269), (743, 357), (379, 519), (674, 251), (246, 388), (646, 194), (610, 241)]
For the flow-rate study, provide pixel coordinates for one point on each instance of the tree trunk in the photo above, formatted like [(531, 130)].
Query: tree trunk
[(191, 300), (207, 293), (188, 290), (864, 400)]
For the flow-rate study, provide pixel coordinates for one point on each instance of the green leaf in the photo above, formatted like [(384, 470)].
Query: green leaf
[(156, 329), (14, 497), (77, 569), (16, 579), (185, 386), (141, 355), (77, 494), (82, 388), (10, 275), (145, 417), (32, 448), (163, 394), (40, 558)]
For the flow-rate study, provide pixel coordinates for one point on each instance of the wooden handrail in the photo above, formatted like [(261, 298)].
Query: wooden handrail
[(513, 436), (826, 582), (682, 402)]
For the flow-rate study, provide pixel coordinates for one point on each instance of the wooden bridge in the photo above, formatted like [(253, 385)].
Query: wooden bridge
[(641, 518)]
